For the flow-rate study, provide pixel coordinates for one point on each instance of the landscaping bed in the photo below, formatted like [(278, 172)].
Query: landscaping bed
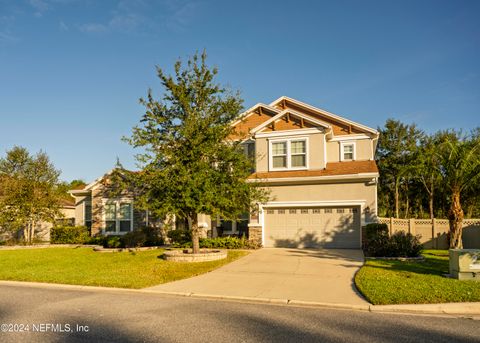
[(83, 266), (385, 282)]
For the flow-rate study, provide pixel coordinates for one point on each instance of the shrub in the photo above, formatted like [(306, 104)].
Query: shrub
[(404, 244), (180, 237), (227, 242), (96, 240), (376, 240), (153, 236), (69, 235), (112, 242), (378, 243), (134, 239)]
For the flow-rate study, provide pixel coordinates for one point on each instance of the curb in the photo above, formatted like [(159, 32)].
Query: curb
[(458, 309)]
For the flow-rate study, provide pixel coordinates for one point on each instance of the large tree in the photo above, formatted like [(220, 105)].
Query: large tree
[(460, 169), (29, 191), (396, 156), (189, 164)]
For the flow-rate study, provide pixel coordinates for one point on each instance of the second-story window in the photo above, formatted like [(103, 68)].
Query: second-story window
[(288, 154), (299, 153), (279, 155), (347, 151)]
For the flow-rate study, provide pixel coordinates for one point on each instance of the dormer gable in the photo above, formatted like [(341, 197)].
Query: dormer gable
[(288, 120), (340, 126)]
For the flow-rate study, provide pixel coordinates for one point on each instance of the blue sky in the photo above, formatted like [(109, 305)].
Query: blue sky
[(71, 71)]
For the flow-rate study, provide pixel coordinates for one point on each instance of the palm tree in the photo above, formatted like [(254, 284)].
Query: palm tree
[(460, 168)]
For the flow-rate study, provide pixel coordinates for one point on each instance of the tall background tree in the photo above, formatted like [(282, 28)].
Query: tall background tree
[(189, 164), (438, 172), (396, 156), (29, 192), (459, 167)]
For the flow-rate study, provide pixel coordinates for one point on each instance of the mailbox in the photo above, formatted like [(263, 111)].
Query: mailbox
[(465, 264)]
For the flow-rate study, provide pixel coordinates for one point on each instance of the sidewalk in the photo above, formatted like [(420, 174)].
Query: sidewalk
[(454, 309)]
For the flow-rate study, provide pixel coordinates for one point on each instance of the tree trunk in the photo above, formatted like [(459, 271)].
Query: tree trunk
[(26, 232), (407, 203), (430, 200), (31, 233), (396, 200), (455, 217), (195, 234), (430, 206)]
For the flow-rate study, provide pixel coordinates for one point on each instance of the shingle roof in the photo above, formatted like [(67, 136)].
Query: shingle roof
[(333, 169)]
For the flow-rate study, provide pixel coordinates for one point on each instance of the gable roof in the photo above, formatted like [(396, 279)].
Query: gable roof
[(288, 112), (284, 100)]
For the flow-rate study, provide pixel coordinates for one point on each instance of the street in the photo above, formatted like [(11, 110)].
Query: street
[(60, 315)]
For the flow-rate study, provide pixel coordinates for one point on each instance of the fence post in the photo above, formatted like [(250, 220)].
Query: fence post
[(391, 226), (434, 239), (411, 226)]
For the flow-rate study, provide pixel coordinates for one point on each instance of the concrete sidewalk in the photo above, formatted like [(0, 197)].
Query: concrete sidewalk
[(471, 309), (281, 275)]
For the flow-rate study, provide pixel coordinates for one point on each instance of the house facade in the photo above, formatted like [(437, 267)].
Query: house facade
[(319, 168)]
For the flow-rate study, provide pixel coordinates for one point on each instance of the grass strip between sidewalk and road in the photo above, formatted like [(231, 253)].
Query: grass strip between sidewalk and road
[(385, 282), (83, 266)]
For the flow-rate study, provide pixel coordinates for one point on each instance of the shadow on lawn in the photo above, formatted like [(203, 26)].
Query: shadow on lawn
[(431, 265)]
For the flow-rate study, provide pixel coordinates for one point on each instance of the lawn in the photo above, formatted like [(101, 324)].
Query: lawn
[(419, 282), (83, 266)]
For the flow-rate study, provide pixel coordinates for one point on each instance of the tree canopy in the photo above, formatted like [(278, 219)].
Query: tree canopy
[(189, 164), (29, 191)]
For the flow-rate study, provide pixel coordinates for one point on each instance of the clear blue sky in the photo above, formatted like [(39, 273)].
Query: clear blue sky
[(71, 71)]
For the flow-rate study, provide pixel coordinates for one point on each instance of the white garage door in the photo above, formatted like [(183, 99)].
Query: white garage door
[(329, 227)]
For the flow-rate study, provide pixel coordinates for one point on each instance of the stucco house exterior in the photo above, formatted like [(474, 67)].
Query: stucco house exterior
[(318, 166)]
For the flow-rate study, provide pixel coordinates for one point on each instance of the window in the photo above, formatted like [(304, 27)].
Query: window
[(299, 153), (88, 216), (328, 210), (118, 216), (292, 211), (340, 210), (347, 151), (279, 155), (270, 211), (239, 226), (288, 154), (304, 211), (316, 210), (281, 211)]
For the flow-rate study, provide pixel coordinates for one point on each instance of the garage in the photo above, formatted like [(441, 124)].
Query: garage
[(313, 227)]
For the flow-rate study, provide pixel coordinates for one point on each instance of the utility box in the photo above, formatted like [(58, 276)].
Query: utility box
[(465, 264)]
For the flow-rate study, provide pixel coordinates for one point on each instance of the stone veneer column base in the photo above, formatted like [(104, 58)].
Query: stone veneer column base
[(255, 233)]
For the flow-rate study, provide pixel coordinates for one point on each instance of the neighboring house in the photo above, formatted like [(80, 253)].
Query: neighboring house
[(319, 168), (42, 229), (105, 213)]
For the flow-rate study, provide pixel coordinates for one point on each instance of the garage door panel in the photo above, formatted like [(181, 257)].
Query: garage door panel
[(313, 227)]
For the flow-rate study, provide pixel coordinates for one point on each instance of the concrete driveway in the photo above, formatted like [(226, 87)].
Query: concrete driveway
[(320, 275)]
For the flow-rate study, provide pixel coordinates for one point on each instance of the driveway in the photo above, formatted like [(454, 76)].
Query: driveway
[(315, 275)]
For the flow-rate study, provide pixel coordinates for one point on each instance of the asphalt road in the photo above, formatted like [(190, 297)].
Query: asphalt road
[(111, 316)]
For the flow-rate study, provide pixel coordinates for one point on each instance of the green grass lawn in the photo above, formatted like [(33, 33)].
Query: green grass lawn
[(83, 266), (417, 282)]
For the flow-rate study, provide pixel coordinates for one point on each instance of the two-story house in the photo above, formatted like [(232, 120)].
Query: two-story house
[(318, 166), (320, 170)]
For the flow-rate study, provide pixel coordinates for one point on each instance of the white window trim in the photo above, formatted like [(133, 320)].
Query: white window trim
[(85, 204), (117, 202), (342, 152), (289, 155)]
